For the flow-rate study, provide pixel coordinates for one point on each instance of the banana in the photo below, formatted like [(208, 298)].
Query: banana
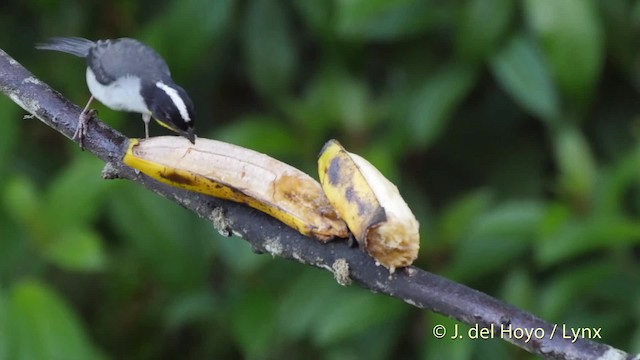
[(371, 205), (234, 173)]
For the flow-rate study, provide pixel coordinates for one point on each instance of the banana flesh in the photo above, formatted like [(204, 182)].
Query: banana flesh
[(371, 205), (235, 173)]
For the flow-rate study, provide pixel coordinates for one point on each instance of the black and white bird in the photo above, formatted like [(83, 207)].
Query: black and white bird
[(125, 74)]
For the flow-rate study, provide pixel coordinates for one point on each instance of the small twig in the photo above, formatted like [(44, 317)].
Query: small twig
[(265, 234)]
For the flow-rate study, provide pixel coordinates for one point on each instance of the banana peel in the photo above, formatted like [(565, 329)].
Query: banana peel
[(235, 173), (371, 205)]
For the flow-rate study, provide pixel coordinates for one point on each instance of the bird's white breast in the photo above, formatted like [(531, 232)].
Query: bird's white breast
[(122, 94)]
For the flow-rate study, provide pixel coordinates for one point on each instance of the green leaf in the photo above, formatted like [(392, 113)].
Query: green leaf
[(576, 163), (74, 196), (496, 239), (572, 39), (519, 289), (384, 19), (575, 237), (513, 218), (9, 131), (317, 15), (436, 100), (191, 308), (254, 322), (304, 304), (269, 48), (260, 133), (77, 249), (446, 348), (4, 326), (335, 98), (44, 327), (570, 287), (482, 25), (458, 216), (163, 235), (197, 29), (22, 202), (357, 310), (522, 72), (238, 257)]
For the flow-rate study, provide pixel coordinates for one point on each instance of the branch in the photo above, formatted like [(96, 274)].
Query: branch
[(267, 235)]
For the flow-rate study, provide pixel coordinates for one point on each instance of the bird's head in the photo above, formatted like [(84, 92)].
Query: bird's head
[(171, 107)]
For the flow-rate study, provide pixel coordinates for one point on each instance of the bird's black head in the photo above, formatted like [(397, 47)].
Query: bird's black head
[(171, 107)]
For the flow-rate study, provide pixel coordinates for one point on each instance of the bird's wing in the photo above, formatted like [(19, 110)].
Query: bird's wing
[(112, 59)]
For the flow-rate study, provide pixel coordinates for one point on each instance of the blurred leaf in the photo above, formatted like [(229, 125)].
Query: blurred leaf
[(459, 214), (578, 237), (519, 289), (304, 304), (446, 348), (335, 97), (569, 287), (384, 19), (356, 310), (353, 104), (14, 250), (79, 190), (436, 100), (517, 218), (162, 234), (482, 25), (44, 327), (77, 249), (9, 132), (383, 159), (238, 256), (616, 182), (572, 39), (317, 15), (192, 308), (260, 133), (22, 202), (575, 162), (4, 326), (254, 325), (521, 70), (196, 27), (269, 48), (495, 239)]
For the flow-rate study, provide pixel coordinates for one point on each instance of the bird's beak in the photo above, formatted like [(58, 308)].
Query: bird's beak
[(190, 135)]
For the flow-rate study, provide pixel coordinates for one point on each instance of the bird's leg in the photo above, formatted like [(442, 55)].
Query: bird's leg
[(83, 121), (146, 117)]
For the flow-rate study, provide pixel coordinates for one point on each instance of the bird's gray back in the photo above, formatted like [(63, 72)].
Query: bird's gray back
[(115, 58)]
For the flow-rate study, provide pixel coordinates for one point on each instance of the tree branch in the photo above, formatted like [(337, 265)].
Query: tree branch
[(265, 234)]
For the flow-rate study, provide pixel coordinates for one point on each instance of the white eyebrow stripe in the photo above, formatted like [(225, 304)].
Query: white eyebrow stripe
[(177, 100)]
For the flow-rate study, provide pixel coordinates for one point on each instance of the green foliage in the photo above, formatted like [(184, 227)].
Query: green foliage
[(521, 70), (571, 36), (39, 325), (510, 127)]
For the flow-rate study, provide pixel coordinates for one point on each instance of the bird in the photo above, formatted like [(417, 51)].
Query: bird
[(125, 74)]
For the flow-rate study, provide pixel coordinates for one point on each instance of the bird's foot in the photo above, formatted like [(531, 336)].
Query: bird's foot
[(83, 122)]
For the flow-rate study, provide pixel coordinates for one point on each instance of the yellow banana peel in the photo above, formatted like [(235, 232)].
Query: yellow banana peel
[(371, 205), (235, 173)]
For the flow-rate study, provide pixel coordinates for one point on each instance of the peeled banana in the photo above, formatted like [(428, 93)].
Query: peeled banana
[(371, 205), (234, 173)]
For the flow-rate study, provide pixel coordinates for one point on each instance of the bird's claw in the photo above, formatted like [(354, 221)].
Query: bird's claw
[(83, 122)]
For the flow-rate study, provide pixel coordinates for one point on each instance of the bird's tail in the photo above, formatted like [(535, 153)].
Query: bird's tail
[(71, 45)]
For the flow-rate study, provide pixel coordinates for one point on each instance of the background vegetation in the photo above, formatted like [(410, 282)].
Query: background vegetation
[(511, 127)]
